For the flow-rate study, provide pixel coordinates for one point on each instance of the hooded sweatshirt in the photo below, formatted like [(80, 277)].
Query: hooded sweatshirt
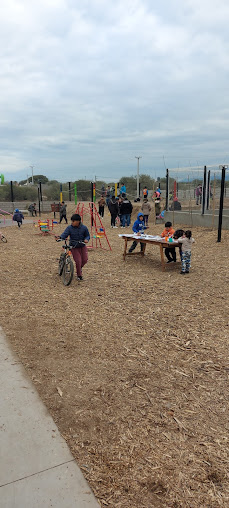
[(18, 216), (139, 226), (146, 208), (126, 207)]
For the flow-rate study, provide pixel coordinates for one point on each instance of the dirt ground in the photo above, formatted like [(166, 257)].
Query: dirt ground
[(132, 363)]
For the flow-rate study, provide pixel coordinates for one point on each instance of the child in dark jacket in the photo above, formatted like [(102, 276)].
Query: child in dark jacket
[(138, 228), (18, 216)]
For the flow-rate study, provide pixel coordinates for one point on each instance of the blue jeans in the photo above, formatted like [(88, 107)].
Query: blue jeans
[(125, 219)]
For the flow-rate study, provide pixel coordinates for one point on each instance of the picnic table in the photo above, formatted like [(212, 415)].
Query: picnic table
[(148, 239)]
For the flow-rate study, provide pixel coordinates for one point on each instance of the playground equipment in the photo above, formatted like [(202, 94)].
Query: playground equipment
[(2, 179), (98, 233), (2, 215), (45, 226)]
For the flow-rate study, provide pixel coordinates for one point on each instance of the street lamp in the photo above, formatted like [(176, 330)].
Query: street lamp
[(138, 175), (32, 173)]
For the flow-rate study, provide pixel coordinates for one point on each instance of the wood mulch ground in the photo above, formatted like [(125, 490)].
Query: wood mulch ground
[(132, 363)]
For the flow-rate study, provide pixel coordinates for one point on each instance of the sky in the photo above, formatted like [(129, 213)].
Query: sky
[(89, 85)]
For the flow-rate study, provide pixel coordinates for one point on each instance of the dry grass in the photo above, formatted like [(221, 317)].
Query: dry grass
[(132, 364)]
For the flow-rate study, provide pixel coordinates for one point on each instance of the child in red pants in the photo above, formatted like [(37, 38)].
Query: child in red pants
[(79, 236)]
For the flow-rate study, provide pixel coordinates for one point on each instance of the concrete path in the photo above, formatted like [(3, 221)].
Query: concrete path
[(37, 469)]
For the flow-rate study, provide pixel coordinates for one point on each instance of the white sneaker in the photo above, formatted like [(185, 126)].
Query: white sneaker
[(116, 227)]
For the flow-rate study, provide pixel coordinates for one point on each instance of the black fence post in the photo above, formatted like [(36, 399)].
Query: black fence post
[(69, 191), (208, 189), (92, 203), (39, 201), (167, 191), (204, 190), (40, 192), (11, 192), (221, 204)]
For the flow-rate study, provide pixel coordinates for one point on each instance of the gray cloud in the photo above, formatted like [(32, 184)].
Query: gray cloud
[(86, 86)]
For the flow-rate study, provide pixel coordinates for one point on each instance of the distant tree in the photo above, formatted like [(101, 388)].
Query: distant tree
[(37, 179)]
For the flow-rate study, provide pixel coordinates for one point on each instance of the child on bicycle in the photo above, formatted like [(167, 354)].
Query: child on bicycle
[(79, 236)]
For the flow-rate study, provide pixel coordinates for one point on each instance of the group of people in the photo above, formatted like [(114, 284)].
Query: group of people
[(121, 209), (79, 236), (184, 238)]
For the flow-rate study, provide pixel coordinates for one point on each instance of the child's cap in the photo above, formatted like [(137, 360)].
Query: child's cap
[(16, 210)]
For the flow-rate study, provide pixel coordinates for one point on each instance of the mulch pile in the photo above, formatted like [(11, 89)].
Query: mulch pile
[(132, 363)]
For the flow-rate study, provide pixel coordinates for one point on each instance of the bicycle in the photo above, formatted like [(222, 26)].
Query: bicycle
[(3, 238), (66, 267)]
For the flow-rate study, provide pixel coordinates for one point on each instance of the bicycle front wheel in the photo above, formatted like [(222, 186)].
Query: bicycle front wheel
[(61, 264), (68, 270), (3, 238)]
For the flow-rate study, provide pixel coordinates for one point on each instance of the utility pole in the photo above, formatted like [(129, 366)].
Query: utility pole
[(138, 176), (32, 174)]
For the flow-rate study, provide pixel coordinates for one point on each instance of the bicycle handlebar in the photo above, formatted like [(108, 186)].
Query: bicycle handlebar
[(77, 244)]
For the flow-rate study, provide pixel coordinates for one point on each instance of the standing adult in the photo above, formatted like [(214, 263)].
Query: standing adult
[(126, 208), (63, 212), (113, 208), (79, 236), (199, 194), (123, 190), (146, 209), (108, 194)]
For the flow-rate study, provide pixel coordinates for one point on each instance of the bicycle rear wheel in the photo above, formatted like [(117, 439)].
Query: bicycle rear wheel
[(61, 263), (3, 238), (68, 270)]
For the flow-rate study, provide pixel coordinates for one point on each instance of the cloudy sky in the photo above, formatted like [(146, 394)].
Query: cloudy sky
[(87, 85)]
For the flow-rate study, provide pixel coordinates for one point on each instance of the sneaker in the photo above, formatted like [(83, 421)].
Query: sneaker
[(182, 273), (116, 227), (169, 260), (79, 277), (186, 271)]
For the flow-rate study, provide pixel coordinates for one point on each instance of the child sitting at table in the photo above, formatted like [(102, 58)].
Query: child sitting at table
[(138, 228), (168, 233), (186, 244)]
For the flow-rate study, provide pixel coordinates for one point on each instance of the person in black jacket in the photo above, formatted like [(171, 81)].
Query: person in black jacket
[(113, 209), (126, 208)]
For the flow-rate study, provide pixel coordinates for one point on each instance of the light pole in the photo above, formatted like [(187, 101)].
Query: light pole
[(32, 173), (138, 176)]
